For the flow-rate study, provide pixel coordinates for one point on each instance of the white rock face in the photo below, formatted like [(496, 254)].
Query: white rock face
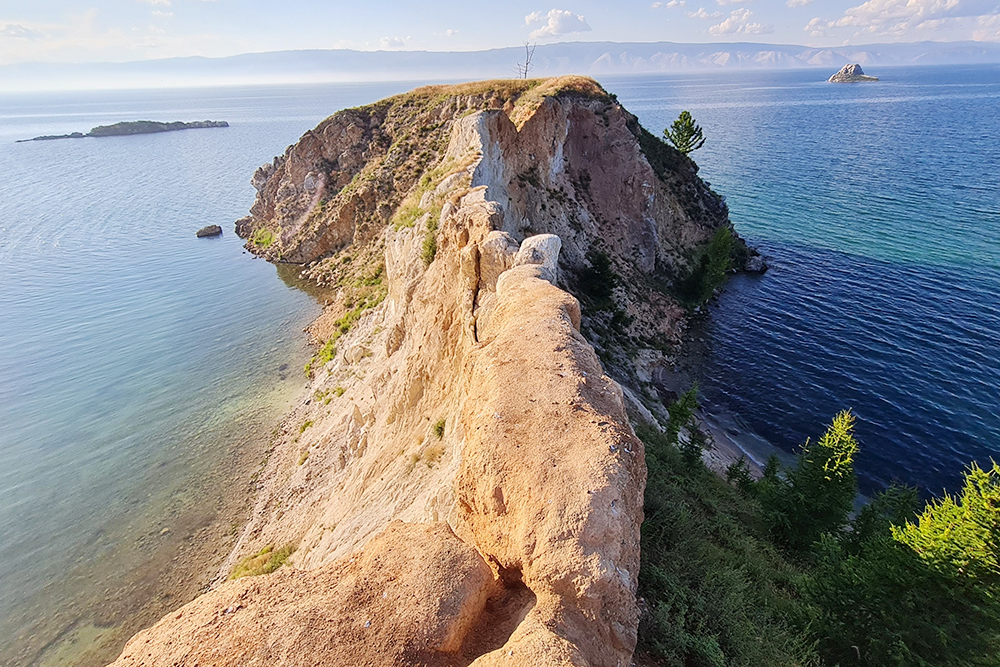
[(851, 74), (541, 249)]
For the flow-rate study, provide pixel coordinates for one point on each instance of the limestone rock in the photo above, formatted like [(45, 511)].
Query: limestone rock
[(851, 74), (755, 263)]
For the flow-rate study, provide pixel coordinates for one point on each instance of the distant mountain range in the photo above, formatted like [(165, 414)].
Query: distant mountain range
[(595, 58)]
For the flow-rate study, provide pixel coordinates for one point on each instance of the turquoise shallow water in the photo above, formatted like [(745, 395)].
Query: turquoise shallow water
[(878, 207), (136, 360)]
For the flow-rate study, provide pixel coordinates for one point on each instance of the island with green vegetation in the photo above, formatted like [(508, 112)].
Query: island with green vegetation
[(133, 127)]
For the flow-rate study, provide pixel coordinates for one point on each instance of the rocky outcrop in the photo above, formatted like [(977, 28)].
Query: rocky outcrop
[(131, 127), (462, 484), (209, 230), (851, 74)]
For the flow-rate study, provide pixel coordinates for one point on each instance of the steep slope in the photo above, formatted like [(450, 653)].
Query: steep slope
[(455, 392)]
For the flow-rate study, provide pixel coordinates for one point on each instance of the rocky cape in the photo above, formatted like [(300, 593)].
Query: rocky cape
[(851, 74), (462, 485), (133, 127)]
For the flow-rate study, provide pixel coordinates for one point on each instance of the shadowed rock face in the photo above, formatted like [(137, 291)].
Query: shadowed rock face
[(851, 74), (463, 401)]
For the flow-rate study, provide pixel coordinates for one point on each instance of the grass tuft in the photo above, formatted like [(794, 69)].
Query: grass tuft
[(265, 561)]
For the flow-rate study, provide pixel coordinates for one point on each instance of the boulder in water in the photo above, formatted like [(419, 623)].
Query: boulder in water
[(211, 230)]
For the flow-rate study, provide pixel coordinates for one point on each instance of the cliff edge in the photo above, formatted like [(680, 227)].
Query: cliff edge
[(462, 485)]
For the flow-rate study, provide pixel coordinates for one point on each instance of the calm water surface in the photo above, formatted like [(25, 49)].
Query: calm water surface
[(136, 361), (878, 207)]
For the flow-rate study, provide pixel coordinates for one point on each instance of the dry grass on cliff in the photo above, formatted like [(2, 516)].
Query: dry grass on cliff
[(265, 561)]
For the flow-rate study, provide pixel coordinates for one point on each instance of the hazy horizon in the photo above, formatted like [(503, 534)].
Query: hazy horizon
[(305, 66), (78, 31)]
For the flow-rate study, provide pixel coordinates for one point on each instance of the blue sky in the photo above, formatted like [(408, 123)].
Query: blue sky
[(117, 30)]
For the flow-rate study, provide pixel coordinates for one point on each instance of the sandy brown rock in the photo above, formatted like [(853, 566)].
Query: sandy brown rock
[(550, 486), (410, 597), (459, 390)]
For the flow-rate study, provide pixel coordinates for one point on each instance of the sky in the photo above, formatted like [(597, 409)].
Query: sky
[(76, 31)]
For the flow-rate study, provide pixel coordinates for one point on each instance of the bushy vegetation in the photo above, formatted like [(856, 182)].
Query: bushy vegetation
[(774, 571), (709, 268), (368, 291), (265, 561), (598, 280), (263, 238)]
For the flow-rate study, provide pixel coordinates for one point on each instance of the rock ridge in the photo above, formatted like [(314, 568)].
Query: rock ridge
[(462, 485)]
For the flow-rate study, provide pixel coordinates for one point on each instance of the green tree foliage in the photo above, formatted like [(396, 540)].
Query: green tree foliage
[(710, 269), (681, 412), (816, 496), (598, 280), (681, 415), (905, 590), (715, 590), (770, 572), (961, 535), (684, 134)]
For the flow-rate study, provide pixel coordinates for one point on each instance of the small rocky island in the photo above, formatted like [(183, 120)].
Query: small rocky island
[(133, 127), (851, 74)]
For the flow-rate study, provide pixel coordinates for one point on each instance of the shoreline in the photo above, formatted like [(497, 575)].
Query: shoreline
[(730, 441), (162, 557)]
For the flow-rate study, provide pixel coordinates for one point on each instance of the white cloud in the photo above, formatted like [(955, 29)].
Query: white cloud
[(904, 18), (987, 29), (165, 3), (393, 42), (738, 23), (702, 14), (556, 23), (731, 2), (450, 32), (798, 3), (18, 31), (159, 13), (669, 5)]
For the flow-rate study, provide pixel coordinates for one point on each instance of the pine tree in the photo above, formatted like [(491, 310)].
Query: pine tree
[(684, 134), (816, 495)]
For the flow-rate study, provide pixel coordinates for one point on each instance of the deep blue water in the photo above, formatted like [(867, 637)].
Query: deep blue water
[(878, 208)]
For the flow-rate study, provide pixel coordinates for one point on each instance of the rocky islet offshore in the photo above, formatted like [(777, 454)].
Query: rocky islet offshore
[(851, 74)]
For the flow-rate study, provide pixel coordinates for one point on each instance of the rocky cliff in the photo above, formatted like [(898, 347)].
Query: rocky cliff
[(462, 485)]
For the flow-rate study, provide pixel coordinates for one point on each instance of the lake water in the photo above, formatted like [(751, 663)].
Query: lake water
[(140, 367), (878, 208), (137, 362)]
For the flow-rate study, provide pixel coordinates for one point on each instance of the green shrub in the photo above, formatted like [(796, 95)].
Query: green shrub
[(263, 238), (430, 248), (817, 495), (901, 589), (681, 412), (265, 561), (717, 590), (597, 281), (708, 272)]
